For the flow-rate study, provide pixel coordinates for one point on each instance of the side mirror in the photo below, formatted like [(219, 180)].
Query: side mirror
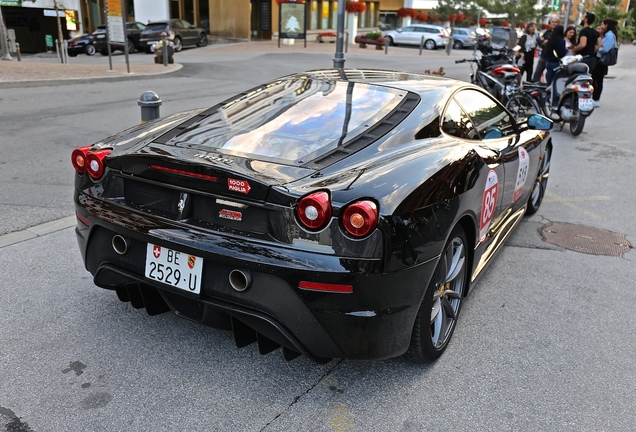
[(539, 122)]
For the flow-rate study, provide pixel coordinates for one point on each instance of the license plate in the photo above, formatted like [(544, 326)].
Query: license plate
[(174, 268), (101, 36), (586, 104)]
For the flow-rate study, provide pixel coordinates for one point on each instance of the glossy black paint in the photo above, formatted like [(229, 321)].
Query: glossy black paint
[(424, 181)]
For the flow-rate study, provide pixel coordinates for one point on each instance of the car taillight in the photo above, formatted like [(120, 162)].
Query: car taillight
[(95, 163), (360, 218), (78, 159), (502, 69), (314, 210)]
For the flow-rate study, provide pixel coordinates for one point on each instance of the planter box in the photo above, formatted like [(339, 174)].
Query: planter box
[(326, 39), (363, 42)]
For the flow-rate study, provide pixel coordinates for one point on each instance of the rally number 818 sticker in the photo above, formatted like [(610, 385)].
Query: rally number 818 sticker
[(488, 203), (522, 173)]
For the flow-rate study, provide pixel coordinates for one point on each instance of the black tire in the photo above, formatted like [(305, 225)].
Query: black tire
[(458, 45), (178, 44), (430, 44), (438, 313), (390, 40), (72, 55), (90, 50), (521, 106), (540, 183), (104, 52), (203, 40), (576, 127), (131, 47)]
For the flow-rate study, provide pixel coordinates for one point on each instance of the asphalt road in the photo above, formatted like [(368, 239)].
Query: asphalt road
[(545, 342)]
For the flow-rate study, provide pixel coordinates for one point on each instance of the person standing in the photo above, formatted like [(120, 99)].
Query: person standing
[(608, 33), (587, 41), (570, 39), (528, 44), (536, 77)]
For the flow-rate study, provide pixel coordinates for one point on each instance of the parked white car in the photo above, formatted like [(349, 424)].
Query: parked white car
[(434, 36)]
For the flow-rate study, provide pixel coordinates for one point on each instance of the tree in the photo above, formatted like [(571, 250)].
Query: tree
[(515, 11), (4, 39), (611, 9)]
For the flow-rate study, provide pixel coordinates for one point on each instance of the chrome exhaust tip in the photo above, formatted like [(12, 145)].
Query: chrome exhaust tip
[(120, 245), (240, 280)]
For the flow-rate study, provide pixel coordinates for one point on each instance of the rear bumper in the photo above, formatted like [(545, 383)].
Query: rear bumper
[(373, 322)]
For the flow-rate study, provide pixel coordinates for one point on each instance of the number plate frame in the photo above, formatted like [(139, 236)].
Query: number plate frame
[(586, 104), (176, 269)]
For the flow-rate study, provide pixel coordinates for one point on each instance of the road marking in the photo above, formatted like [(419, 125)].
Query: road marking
[(36, 231)]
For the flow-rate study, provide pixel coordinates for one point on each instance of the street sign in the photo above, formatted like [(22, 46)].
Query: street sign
[(116, 29), (49, 41), (113, 7), (556, 4)]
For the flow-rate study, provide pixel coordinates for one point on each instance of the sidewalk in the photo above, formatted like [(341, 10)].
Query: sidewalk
[(44, 67)]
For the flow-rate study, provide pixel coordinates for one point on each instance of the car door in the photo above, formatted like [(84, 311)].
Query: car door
[(517, 154), (406, 36), (190, 31), (457, 122)]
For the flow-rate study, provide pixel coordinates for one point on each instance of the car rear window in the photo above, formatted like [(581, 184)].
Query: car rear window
[(157, 26), (295, 120)]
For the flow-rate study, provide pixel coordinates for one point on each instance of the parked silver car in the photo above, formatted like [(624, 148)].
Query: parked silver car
[(433, 36), (463, 38)]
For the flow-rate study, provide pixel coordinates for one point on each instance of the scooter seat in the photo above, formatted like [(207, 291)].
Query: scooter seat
[(577, 68), (534, 85)]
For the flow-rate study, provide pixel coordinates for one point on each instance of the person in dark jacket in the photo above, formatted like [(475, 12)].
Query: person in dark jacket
[(543, 40), (556, 50)]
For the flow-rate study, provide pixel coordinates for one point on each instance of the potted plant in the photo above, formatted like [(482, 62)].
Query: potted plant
[(372, 38), (158, 49), (326, 37), (355, 6)]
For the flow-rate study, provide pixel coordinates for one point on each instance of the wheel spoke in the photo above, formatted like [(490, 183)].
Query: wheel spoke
[(452, 294), (457, 263)]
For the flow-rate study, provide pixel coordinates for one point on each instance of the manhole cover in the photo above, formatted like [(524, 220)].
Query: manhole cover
[(585, 239)]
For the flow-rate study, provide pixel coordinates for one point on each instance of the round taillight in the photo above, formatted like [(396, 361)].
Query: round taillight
[(78, 159), (314, 210), (95, 163), (360, 218)]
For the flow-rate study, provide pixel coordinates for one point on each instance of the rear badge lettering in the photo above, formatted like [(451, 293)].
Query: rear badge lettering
[(488, 203), (240, 186), (231, 215), (214, 158)]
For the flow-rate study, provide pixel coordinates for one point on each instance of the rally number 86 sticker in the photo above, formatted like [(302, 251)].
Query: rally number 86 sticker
[(488, 203)]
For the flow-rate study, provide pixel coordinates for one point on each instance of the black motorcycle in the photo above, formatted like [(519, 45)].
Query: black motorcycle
[(493, 69)]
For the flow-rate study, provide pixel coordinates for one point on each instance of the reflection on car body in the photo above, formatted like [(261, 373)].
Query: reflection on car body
[(333, 213)]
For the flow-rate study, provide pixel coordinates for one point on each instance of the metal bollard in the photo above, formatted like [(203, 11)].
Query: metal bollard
[(17, 50), (149, 102)]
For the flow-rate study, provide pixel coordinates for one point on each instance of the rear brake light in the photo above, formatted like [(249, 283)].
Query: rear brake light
[(501, 69), (325, 287), (78, 159), (95, 163), (314, 210), (184, 173), (360, 218)]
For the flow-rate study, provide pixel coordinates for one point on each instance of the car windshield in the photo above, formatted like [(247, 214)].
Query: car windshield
[(293, 120)]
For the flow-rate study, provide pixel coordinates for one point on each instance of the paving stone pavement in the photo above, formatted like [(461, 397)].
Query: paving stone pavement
[(41, 67)]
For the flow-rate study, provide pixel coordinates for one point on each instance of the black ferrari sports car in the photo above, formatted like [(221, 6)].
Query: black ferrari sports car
[(337, 213)]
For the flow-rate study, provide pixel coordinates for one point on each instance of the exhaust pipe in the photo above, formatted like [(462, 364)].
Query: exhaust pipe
[(240, 280), (120, 245)]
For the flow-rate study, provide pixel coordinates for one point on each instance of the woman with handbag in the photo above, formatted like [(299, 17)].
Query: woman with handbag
[(609, 33), (528, 45)]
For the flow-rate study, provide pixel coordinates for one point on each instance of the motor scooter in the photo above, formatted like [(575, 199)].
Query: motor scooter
[(568, 99), (494, 71)]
